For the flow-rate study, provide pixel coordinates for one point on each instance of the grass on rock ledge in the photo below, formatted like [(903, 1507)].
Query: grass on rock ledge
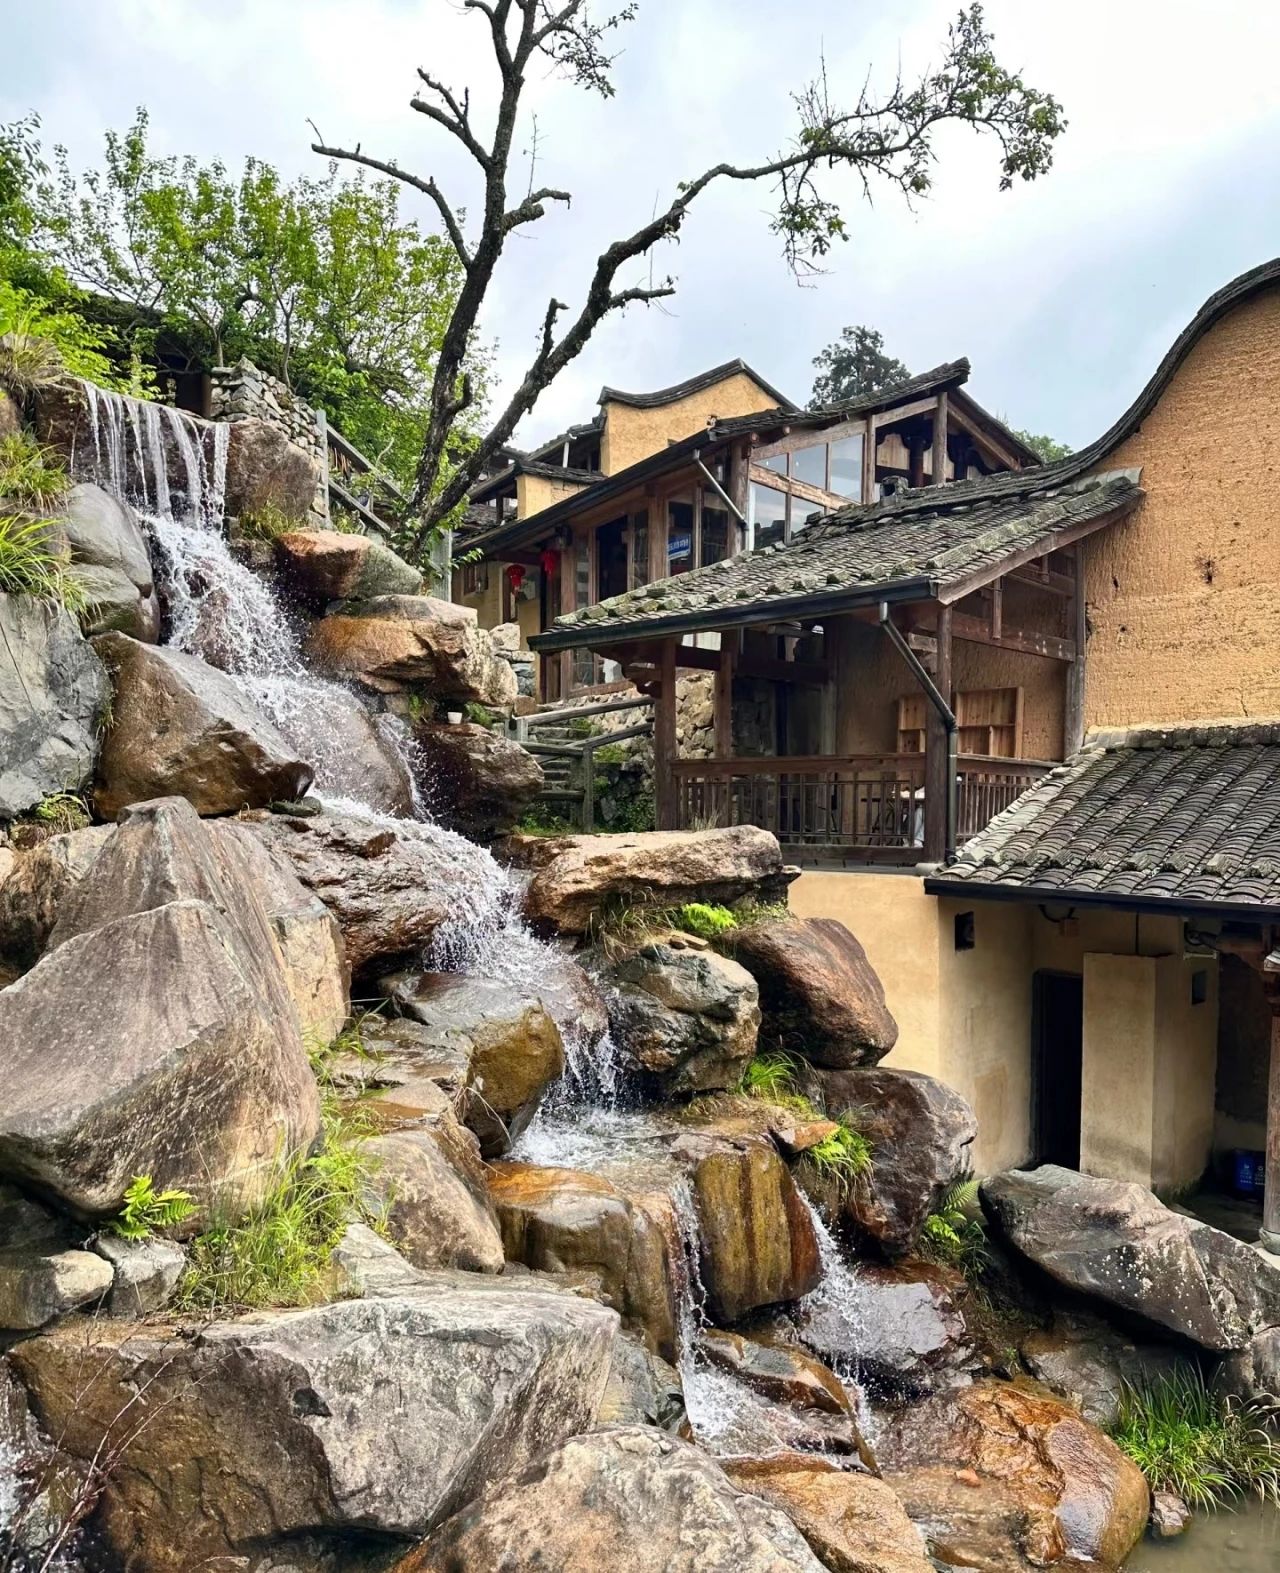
[(30, 475), (1210, 1449), (832, 1167), (32, 563), (279, 1252)]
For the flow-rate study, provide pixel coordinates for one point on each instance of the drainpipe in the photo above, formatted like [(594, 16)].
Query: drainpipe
[(945, 714)]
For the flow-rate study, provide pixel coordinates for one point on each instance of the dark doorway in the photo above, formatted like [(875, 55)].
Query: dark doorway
[(1057, 1066), (611, 559)]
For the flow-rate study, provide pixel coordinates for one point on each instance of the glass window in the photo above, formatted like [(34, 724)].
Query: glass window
[(768, 515), (715, 529), (846, 466), (679, 537), (778, 463), (639, 548), (810, 464)]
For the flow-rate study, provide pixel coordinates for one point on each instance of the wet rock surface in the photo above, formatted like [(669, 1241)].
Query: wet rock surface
[(1088, 1362), (688, 1016), (778, 1372), (820, 997), (576, 877), (1005, 1478), (182, 727), (476, 781), (1116, 1242), (428, 1184), (853, 1523), (266, 470), (921, 1134), (321, 566), (631, 1498)]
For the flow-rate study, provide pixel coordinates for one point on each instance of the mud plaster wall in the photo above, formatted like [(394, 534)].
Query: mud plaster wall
[(1184, 595), (631, 434), (872, 677), (536, 492)]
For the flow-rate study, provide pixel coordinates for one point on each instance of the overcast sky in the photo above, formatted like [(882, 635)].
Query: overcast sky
[(1064, 294)]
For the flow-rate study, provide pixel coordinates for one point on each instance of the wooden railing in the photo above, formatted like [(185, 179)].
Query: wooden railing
[(871, 804)]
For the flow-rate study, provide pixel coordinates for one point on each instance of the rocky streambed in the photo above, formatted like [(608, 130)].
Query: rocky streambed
[(615, 1233)]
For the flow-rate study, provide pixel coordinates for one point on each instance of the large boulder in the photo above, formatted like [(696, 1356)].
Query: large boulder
[(198, 1075), (372, 1418), (53, 696), (429, 1184), (776, 1370), (625, 1498), (686, 1015), (38, 1284), (820, 997), (266, 470), (643, 1389), (566, 1221), (36, 887), (394, 643), (110, 558), (182, 727), (390, 887), (921, 1134), (320, 566), (514, 1049), (854, 1523), (1115, 1242), (576, 877), (1090, 1363), (756, 1233), (911, 1333), (474, 780), (1252, 1374), (1006, 1478)]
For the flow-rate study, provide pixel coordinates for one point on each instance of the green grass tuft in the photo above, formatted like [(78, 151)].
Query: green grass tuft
[(705, 921), (30, 475), (32, 563), (771, 1076), (1190, 1439)]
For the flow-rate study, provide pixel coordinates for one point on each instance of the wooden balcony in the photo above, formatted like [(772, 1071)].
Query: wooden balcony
[(864, 807)]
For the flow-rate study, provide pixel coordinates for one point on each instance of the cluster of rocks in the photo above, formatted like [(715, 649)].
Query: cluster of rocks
[(243, 393)]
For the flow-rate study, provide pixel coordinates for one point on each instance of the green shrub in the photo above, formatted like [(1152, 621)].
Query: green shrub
[(771, 1076), (954, 1234), (706, 922), (539, 820), (147, 1210), (1190, 1439), (32, 563), (267, 522), (62, 812), (477, 714), (30, 475), (750, 912)]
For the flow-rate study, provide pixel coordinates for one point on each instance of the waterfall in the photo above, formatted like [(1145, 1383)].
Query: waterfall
[(135, 441)]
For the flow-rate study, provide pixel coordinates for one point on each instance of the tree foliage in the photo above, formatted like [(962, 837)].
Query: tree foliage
[(855, 364), (1049, 448), (322, 282), (883, 139)]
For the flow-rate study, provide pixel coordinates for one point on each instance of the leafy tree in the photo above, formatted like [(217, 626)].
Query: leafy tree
[(320, 281), (1049, 448), (855, 364), (880, 139)]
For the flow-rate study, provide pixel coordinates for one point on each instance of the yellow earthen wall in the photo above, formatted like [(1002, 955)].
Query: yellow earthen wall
[(536, 492), (1184, 596), (631, 434)]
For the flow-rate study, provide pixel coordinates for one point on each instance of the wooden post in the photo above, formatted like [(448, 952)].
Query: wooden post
[(937, 787), (664, 736), (738, 484), (997, 608), (1270, 1236), (915, 459), (1073, 710), (939, 442), (723, 698), (869, 461)]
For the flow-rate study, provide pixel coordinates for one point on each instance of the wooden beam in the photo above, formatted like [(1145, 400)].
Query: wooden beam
[(738, 489), (1051, 582), (723, 697), (905, 412), (1073, 708), (664, 736), (938, 472), (788, 483), (915, 468), (976, 630), (869, 460), (984, 440), (1056, 542), (936, 785), (997, 608)]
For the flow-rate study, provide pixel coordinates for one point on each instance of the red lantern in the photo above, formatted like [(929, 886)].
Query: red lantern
[(515, 576), (550, 561)]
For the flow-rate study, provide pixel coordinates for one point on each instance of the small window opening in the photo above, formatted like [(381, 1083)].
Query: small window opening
[(966, 938)]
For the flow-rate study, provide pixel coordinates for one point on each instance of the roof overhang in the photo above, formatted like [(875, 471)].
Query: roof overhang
[(1065, 896)]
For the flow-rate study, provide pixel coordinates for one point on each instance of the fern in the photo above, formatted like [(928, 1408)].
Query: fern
[(147, 1210)]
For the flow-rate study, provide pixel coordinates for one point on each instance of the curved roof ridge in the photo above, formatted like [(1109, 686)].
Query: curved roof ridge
[(694, 384)]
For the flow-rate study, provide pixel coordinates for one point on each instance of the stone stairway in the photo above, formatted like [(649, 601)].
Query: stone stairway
[(563, 735)]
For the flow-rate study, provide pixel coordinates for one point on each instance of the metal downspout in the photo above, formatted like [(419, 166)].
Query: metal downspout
[(945, 713)]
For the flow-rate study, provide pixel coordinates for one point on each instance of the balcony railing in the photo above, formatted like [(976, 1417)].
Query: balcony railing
[(871, 805)]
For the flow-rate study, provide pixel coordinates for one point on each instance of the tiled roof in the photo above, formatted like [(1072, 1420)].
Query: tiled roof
[(854, 555), (694, 384), (1148, 815)]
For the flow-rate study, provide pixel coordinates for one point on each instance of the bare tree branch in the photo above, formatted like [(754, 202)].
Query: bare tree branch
[(450, 220)]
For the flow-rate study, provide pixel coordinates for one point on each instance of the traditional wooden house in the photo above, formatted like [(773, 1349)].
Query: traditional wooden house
[(661, 484), (1017, 730)]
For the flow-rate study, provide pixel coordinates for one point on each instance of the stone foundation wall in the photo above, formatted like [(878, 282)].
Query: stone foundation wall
[(246, 392)]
